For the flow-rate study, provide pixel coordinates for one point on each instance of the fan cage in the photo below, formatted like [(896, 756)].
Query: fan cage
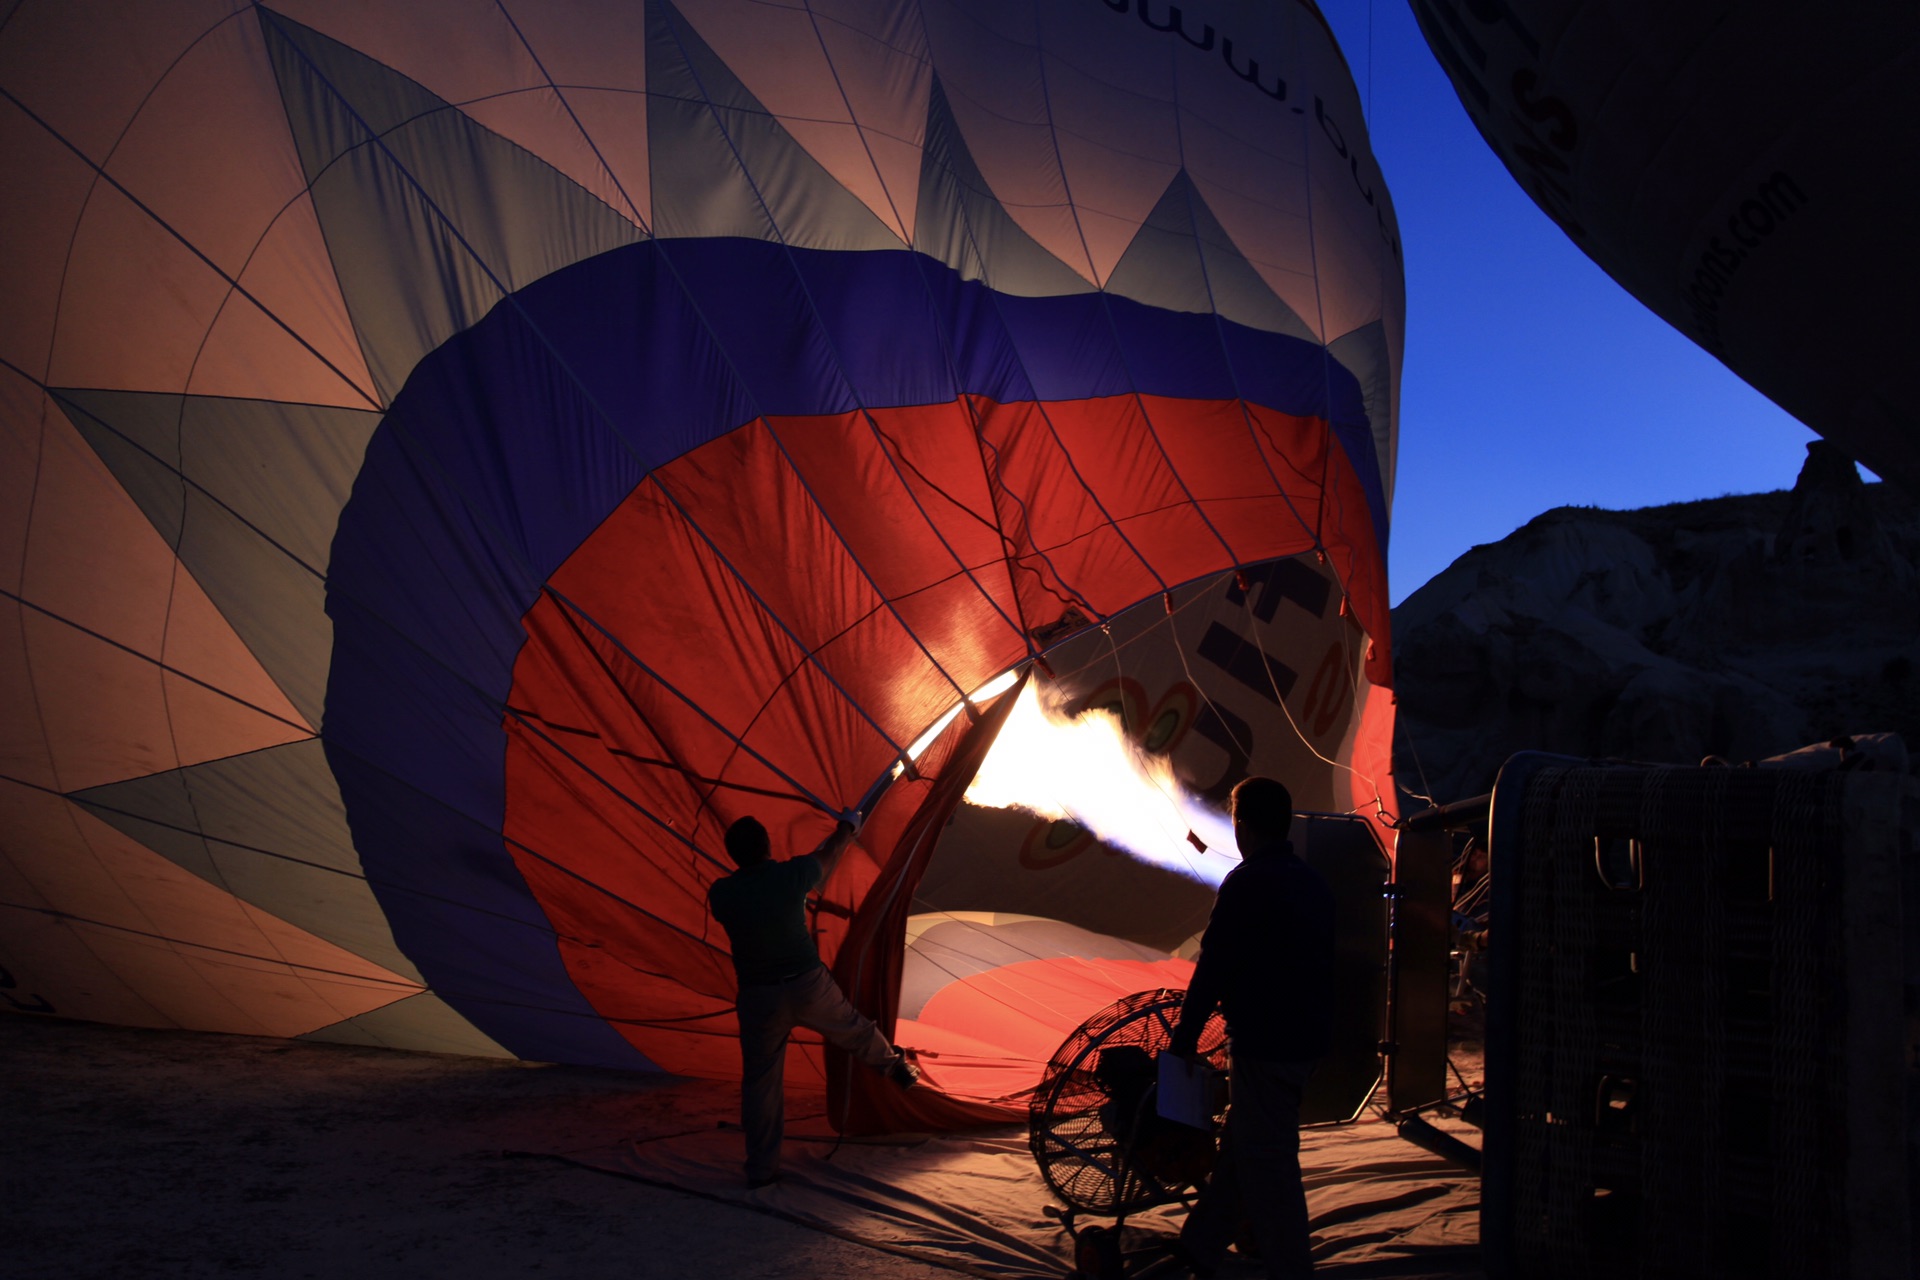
[(1078, 1124)]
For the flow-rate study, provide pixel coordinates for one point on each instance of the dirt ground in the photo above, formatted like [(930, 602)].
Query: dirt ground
[(164, 1153)]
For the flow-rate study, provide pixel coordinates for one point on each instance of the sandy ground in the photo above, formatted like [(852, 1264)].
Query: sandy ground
[(163, 1153)]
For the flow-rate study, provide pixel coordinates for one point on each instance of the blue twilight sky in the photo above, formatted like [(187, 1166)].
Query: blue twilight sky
[(1531, 380)]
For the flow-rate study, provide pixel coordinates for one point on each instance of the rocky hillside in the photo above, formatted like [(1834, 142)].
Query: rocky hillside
[(1737, 627)]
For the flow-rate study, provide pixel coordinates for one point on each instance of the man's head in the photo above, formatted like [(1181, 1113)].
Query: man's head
[(747, 842), (1262, 814)]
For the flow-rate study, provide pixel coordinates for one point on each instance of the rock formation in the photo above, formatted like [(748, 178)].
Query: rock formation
[(1737, 627)]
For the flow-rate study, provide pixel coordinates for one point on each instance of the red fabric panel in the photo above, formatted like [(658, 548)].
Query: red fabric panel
[(624, 894), (904, 488), (990, 1035), (598, 742), (1063, 550), (1372, 792), (1117, 446), (1317, 476)]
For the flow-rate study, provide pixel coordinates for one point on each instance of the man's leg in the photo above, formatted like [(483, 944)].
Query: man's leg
[(820, 1004), (1215, 1219), (1266, 1163), (765, 1018)]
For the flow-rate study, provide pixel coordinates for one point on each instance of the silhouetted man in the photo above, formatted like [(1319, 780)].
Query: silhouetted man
[(763, 907), (1266, 960)]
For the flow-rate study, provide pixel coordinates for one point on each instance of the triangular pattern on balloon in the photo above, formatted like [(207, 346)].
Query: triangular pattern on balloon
[(422, 1023), (430, 218), (960, 222), (119, 930), (723, 165), (248, 493), (1181, 259), (268, 827)]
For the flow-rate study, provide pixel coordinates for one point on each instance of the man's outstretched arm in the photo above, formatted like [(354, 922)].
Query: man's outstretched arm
[(836, 844)]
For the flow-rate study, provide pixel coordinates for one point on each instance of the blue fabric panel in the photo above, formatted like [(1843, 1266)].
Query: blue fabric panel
[(500, 968), (626, 331), (463, 604), (512, 442)]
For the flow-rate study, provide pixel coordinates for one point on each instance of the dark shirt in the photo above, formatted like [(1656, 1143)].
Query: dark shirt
[(1267, 960), (763, 908)]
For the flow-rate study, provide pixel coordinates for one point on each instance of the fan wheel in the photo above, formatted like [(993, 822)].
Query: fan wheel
[(1099, 1141)]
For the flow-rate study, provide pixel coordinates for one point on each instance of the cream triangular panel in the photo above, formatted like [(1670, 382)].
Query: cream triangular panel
[(1365, 354), (294, 340), (1267, 218), (39, 216), (603, 80), (960, 223), (616, 121), (23, 405), (57, 974), (252, 354), (1114, 192), (95, 713), (25, 753), (994, 76), (460, 50), (134, 301)]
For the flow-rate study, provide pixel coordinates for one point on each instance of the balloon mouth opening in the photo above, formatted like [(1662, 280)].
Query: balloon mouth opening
[(974, 701)]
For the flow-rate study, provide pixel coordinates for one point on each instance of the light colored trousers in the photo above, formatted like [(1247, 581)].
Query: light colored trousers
[(768, 1011), (1257, 1177)]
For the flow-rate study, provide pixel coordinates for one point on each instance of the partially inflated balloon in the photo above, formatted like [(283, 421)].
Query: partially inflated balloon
[(462, 455), (1744, 169)]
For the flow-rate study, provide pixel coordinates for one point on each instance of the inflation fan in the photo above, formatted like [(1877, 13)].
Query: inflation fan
[(1093, 1126)]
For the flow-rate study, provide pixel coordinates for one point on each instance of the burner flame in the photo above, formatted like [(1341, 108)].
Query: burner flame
[(1085, 769)]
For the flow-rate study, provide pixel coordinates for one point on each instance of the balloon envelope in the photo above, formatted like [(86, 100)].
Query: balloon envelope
[(460, 457)]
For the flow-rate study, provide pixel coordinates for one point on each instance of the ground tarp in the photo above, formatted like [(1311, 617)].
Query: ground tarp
[(975, 1202)]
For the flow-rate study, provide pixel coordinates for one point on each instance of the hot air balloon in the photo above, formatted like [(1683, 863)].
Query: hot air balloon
[(1738, 168), (462, 455)]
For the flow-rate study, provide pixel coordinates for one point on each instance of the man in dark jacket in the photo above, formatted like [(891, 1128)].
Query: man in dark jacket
[(1266, 960), (763, 907)]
